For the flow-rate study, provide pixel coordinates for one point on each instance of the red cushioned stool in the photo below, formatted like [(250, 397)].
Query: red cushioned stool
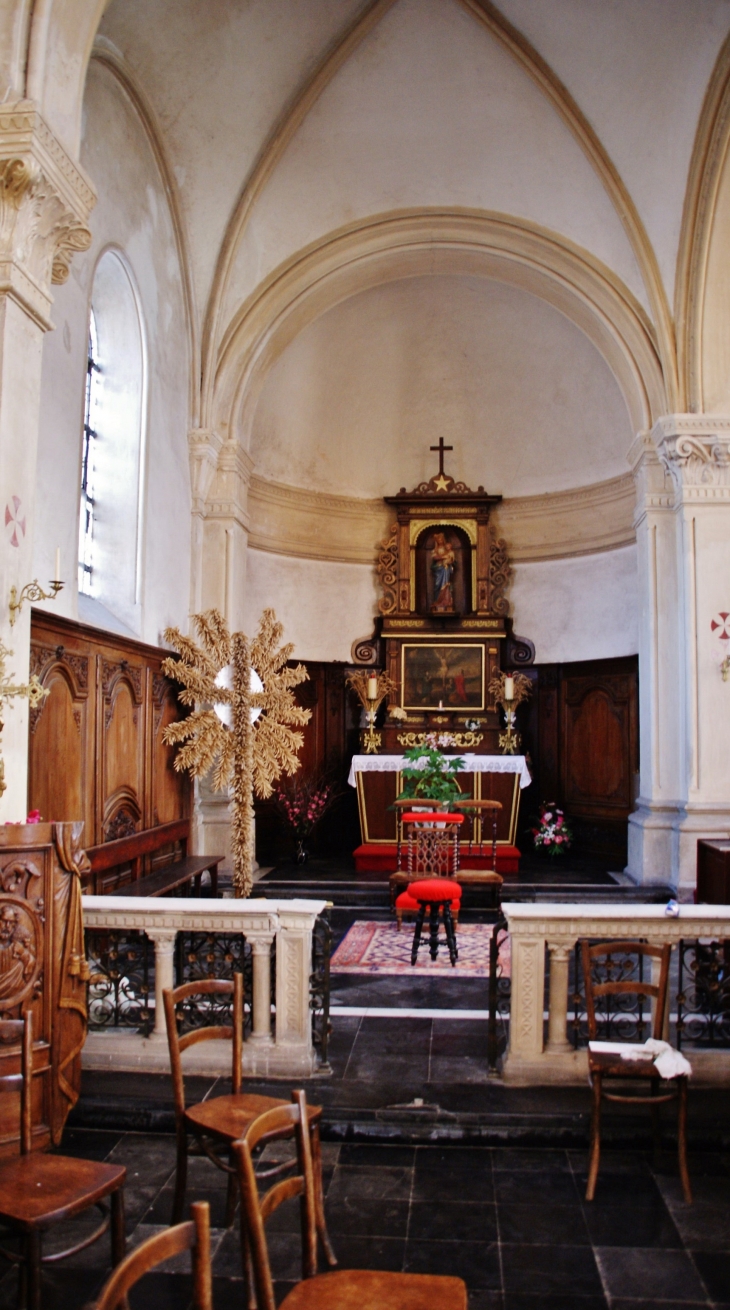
[(437, 896), (433, 861)]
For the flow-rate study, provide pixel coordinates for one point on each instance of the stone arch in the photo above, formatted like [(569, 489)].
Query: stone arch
[(555, 92), (703, 265), (394, 246)]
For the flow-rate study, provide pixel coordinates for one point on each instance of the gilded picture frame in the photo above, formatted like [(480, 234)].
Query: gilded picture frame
[(442, 676)]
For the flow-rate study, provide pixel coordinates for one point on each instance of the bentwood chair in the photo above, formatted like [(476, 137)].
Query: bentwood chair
[(193, 1236), (350, 1289), (38, 1191), (609, 1066), (216, 1123)]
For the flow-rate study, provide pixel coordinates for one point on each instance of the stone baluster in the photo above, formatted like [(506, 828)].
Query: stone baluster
[(557, 1040), (261, 999), (164, 943)]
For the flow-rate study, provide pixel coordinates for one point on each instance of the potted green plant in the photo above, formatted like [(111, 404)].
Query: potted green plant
[(429, 775)]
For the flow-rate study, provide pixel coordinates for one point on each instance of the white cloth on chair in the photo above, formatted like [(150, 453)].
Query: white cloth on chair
[(667, 1062)]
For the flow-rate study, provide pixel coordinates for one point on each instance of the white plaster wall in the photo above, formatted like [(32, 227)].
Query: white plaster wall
[(639, 70), (575, 609), (526, 400), (219, 75), (429, 110), (131, 215), (324, 607), (584, 608)]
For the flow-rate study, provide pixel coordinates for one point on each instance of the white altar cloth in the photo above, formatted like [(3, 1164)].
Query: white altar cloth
[(472, 764)]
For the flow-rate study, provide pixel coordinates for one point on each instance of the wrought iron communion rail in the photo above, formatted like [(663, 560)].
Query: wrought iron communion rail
[(138, 947)]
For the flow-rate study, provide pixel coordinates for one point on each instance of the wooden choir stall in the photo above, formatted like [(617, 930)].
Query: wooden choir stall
[(443, 634)]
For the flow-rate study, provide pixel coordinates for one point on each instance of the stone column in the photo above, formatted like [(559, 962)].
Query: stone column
[(293, 972), (45, 200), (528, 998), (225, 531), (261, 999), (683, 527), (164, 942), (558, 1002)]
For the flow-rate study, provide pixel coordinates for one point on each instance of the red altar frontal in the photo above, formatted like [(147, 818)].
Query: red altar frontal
[(485, 777)]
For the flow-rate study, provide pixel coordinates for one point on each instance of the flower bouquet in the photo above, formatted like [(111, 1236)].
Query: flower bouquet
[(552, 833), (302, 804)]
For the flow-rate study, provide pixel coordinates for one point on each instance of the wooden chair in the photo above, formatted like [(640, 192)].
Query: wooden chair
[(193, 1236), (350, 1289), (38, 1191), (216, 1123), (604, 1065), (433, 858), (401, 806)]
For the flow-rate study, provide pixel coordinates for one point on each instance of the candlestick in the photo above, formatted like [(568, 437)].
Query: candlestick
[(57, 574), (509, 687)]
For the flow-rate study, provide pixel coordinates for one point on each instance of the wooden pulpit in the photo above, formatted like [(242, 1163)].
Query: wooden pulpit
[(42, 969)]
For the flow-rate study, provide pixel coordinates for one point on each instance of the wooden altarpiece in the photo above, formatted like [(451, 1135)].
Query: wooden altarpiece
[(443, 623)]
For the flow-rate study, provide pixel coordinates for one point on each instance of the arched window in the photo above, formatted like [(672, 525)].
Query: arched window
[(88, 456), (112, 466)]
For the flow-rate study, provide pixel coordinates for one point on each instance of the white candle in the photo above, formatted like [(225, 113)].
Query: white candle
[(57, 574), (441, 705), (372, 687), (509, 687)]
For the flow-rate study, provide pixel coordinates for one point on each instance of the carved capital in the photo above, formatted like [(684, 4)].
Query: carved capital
[(694, 449), (45, 201), (203, 450)]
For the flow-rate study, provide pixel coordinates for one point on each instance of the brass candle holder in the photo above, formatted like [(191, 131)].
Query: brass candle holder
[(371, 688), (32, 690), (508, 691), (33, 592)]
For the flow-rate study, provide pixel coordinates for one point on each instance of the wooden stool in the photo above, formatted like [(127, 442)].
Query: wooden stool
[(38, 1191), (435, 895), (366, 1289)]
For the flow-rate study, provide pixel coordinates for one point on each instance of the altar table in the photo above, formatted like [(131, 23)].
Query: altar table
[(378, 780)]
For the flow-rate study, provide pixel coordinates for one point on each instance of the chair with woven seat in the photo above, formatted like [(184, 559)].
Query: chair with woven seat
[(38, 1191), (217, 1122), (606, 1065), (349, 1289), (193, 1236), (432, 887)]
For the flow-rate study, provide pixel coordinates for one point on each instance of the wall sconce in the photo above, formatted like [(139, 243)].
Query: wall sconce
[(33, 591), (31, 690)]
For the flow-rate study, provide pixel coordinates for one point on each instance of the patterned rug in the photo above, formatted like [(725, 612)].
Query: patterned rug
[(369, 947)]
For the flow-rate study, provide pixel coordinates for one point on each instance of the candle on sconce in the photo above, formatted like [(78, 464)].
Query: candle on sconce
[(441, 705), (509, 687), (57, 574), (372, 687)]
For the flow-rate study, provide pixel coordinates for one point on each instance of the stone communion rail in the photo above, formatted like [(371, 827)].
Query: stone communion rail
[(272, 940), (543, 941)]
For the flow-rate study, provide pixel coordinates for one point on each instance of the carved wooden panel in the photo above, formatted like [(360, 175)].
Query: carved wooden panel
[(597, 739), (586, 749), (42, 969), (95, 748)]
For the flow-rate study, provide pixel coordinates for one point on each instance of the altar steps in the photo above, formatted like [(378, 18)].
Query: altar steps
[(372, 895)]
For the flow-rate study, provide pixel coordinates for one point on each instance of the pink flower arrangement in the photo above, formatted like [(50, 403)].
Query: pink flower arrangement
[(303, 803), (552, 833)]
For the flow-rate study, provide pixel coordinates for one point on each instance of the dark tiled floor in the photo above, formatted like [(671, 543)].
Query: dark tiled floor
[(512, 1222)]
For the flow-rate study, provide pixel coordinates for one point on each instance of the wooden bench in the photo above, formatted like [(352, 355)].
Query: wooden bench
[(149, 863)]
